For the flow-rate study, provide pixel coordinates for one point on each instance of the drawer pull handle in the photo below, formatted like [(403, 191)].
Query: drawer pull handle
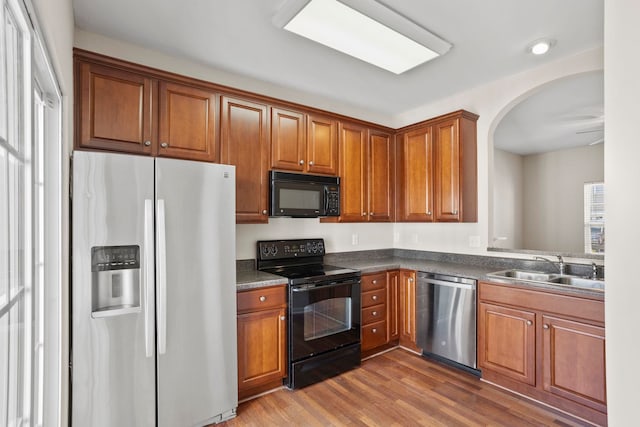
[(374, 282), (263, 298), (374, 330), (374, 297), (375, 313)]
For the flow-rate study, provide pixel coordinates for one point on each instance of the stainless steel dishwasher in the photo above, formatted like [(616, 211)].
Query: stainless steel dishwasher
[(446, 318)]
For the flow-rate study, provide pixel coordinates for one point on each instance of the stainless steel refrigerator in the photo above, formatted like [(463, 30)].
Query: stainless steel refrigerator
[(153, 338)]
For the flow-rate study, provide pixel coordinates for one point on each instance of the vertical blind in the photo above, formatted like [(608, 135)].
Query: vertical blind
[(594, 218)]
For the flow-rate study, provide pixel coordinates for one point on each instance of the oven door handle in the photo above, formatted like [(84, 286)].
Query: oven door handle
[(302, 288)]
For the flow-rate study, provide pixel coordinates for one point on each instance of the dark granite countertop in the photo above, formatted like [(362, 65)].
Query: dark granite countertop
[(470, 266)]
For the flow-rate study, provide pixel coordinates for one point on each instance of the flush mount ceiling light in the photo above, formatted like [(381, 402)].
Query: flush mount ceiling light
[(364, 29), (540, 47)]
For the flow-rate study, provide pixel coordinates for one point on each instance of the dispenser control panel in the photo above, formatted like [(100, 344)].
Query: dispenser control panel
[(106, 258)]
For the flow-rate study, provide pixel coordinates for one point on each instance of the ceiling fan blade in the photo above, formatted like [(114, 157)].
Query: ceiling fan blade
[(590, 130), (597, 141)]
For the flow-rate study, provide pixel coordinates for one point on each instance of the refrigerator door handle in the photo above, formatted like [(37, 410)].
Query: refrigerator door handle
[(148, 277), (161, 258)]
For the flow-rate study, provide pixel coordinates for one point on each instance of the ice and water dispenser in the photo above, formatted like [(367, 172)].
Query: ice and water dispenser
[(115, 280)]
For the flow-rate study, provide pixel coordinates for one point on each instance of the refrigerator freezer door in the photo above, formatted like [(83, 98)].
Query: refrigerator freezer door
[(113, 356), (197, 369)]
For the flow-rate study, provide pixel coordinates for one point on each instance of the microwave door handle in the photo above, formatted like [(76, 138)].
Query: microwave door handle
[(326, 200)]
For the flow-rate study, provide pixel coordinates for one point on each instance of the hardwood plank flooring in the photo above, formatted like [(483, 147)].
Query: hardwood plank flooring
[(398, 388)]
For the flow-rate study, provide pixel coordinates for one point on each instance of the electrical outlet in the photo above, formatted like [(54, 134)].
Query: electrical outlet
[(355, 239)]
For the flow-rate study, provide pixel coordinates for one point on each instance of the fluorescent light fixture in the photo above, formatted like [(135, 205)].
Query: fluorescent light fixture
[(364, 29), (540, 47)]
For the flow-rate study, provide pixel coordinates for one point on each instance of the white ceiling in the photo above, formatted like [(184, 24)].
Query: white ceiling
[(563, 114), (489, 40)]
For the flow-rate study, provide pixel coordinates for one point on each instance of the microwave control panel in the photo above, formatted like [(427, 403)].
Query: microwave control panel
[(333, 201)]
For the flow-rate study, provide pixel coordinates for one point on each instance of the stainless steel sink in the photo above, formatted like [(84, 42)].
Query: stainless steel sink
[(578, 282), (550, 278), (535, 276)]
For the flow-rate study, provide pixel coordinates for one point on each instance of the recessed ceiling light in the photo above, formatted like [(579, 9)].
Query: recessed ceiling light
[(540, 47), (364, 29)]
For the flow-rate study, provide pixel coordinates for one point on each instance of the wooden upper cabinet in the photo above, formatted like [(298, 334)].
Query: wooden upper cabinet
[(303, 143), (415, 186), (380, 177), (447, 171), (187, 122), (288, 140), (437, 170), (574, 361), (244, 144), (353, 172), (115, 109), (322, 145)]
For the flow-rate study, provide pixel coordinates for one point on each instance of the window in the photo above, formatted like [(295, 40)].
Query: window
[(594, 218), (30, 194)]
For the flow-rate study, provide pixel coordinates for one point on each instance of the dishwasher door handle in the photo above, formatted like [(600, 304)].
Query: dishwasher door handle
[(448, 284)]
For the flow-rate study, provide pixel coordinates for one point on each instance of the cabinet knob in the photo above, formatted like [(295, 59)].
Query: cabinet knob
[(374, 281), (545, 326), (164, 145), (263, 298), (364, 214), (529, 323), (147, 143), (455, 212), (371, 213), (429, 213), (374, 330), (301, 162), (311, 163), (264, 212), (410, 279), (282, 318), (374, 297), (375, 313)]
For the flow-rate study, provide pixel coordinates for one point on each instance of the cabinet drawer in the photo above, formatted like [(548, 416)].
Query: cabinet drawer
[(372, 282), (374, 335), (374, 298), (373, 314), (262, 299)]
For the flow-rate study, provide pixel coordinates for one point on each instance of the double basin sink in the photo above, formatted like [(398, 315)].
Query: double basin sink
[(550, 278)]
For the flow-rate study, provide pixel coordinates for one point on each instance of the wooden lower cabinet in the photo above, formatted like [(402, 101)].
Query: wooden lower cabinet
[(407, 299), (548, 346), (261, 340), (374, 311), (393, 308), (509, 342)]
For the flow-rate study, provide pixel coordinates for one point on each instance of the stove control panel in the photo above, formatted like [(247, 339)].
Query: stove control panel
[(284, 249)]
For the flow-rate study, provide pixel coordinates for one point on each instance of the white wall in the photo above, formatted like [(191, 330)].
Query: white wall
[(622, 175), (554, 197), (508, 192), (491, 101), (55, 19)]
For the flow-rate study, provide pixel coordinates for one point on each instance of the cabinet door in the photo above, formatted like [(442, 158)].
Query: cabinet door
[(447, 171), (380, 177), (322, 145), (261, 349), (408, 309), (393, 281), (116, 109), (288, 142), (244, 143), (506, 342), (574, 361), (187, 123), (416, 187), (353, 173)]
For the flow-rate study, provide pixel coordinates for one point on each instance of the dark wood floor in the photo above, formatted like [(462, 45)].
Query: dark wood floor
[(398, 388)]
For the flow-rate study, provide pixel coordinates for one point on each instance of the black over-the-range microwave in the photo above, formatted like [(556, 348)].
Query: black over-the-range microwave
[(303, 196)]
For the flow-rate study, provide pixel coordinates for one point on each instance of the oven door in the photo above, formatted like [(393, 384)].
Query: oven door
[(323, 317)]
